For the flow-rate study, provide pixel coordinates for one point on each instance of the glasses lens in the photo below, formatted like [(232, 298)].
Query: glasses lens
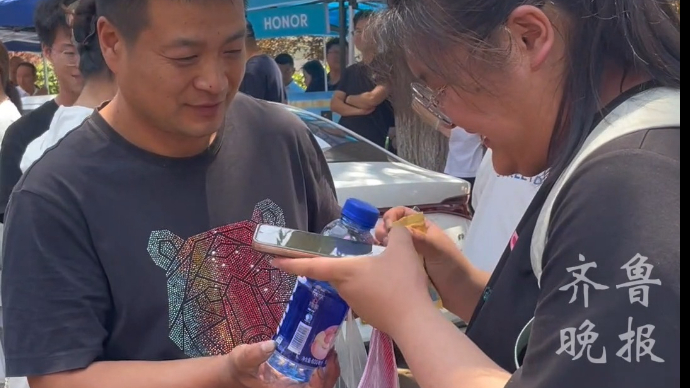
[(427, 98)]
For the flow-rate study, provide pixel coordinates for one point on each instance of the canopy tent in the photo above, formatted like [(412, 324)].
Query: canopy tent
[(17, 13)]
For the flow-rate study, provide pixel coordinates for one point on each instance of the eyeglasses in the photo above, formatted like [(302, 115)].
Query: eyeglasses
[(70, 56), (429, 100)]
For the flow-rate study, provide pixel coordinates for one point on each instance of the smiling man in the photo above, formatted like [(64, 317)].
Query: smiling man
[(128, 260)]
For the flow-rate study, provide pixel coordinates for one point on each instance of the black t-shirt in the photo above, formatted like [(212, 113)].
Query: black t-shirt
[(356, 79), (17, 138), (608, 310), (263, 79), (114, 253)]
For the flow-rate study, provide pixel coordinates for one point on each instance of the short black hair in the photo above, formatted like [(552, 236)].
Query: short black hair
[(285, 59), (250, 30), (332, 42), (29, 65), (362, 15), (49, 18), (130, 17)]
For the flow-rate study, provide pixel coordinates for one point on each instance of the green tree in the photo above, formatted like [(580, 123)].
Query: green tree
[(53, 87)]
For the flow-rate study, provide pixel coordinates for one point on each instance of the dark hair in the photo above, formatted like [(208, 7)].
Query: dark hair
[(636, 35), (332, 42), (91, 62), (130, 17), (361, 15), (285, 59), (29, 65), (318, 76), (49, 18), (7, 86)]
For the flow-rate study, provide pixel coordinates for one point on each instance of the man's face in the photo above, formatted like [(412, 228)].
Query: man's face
[(185, 67), (362, 41), (65, 59), (26, 78), (333, 57), (287, 70)]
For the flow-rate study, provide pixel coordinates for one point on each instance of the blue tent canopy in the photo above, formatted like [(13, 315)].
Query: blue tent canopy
[(16, 19), (17, 13)]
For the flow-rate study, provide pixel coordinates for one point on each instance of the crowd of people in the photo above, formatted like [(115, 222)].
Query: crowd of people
[(128, 200)]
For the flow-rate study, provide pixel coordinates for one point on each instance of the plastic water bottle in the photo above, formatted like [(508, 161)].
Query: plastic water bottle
[(312, 320)]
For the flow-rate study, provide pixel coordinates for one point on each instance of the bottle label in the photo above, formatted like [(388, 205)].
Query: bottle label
[(311, 324)]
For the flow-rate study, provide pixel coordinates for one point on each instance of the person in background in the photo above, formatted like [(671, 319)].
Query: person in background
[(99, 84), (333, 49), (14, 64), (314, 76), (9, 113), (262, 77), (128, 259), (26, 80), (499, 202), (10, 102), (363, 106), (287, 67), (56, 41)]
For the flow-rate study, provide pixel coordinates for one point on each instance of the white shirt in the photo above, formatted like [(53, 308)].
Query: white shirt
[(499, 202), (465, 153), (8, 114), (66, 118)]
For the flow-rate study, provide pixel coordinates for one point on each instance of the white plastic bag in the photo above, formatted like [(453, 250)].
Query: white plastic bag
[(352, 355)]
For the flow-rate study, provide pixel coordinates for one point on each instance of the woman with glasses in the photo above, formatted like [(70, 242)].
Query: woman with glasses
[(587, 292)]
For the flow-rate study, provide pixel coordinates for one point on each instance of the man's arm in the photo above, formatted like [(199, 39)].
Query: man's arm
[(339, 106), (368, 100)]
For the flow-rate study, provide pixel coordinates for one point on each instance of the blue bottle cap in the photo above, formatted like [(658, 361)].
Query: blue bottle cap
[(361, 213)]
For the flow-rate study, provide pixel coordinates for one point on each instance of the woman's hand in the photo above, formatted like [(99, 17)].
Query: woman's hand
[(382, 289), (434, 245)]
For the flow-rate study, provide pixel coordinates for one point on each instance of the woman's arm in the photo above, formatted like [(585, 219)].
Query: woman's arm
[(441, 356)]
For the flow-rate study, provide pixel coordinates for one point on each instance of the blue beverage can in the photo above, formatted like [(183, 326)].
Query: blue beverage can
[(309, 329)]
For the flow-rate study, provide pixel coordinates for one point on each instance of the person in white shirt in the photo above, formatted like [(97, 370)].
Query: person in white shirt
[(99, 86), (10, 101), (499, 203), (465, 152)]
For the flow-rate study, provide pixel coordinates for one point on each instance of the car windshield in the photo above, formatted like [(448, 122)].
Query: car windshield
[(340, 145)]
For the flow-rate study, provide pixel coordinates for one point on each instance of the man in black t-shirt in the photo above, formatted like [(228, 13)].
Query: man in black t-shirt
[(56, 42), (130, 241), (262, 76), (363, 106)]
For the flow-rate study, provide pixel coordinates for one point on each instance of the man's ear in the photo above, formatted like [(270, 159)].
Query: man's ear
[(111, 42)]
